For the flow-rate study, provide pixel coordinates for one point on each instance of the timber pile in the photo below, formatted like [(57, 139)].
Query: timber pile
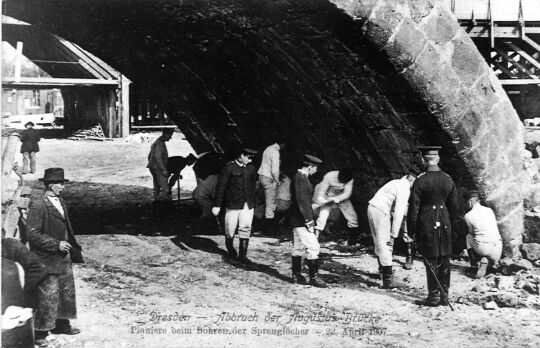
[(94, 133)]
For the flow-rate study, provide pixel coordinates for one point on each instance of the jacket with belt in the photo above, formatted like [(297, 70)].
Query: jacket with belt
[(236, 186), (433, 210), (46, 228)]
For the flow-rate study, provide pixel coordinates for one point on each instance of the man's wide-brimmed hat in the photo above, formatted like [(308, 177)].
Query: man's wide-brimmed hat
[(53, 175)]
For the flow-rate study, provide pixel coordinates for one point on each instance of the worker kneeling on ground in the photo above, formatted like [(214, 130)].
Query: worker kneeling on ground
[(484, 242), (334, 191)]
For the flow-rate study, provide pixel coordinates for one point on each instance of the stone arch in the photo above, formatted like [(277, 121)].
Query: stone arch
[(361, 82)]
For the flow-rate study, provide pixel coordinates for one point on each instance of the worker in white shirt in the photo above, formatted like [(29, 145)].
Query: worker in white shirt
[(385, 212), (484, 240), (269, 179), (334, 191)]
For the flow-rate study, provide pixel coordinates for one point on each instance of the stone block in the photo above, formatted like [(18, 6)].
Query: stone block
[(504, 282), (382, 23), (466, 60), (354, 8), (531, 251), (405, 45), (440, 26), (420, 9)]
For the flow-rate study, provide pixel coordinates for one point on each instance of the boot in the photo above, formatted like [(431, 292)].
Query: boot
[(352, 235), (444, 278), (432, 300), (297, 277), (230, 247), (242, 256), (314, 279), (473, 259), (388, 281), (64, 327), (409, 259)]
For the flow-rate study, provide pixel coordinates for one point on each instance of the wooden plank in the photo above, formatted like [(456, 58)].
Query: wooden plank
[(520, 82), (11, 221), (154, 126), (515, 63), (18, 60), (482, 31), (86, 61), (523, 54), (531, 42), (10, 81), (503, 69), (124, 106), (7, 164)]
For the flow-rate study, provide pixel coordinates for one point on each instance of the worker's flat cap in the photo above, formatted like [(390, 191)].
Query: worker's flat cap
[(310, 159), (248, 151), (429, 150)]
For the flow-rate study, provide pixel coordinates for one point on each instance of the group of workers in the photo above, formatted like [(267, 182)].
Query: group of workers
[(423, 208)]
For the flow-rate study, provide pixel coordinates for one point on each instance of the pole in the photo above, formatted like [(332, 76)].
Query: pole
[(435, 276)]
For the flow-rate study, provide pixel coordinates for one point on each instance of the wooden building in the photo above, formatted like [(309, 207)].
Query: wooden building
[(37, 64)]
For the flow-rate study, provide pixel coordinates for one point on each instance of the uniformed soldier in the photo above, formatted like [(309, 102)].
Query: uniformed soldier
[(433, 207), (301, 219)]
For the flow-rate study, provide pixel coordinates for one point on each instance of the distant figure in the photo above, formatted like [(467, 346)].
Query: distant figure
[(236, 188), (269, 179), (157, 164), (51, 237), (484, 241), (29, 139), (283, 201), (175, 165), (334, 191)]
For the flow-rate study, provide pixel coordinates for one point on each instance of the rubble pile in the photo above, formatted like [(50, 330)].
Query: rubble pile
[(140, 138), (93, 133)]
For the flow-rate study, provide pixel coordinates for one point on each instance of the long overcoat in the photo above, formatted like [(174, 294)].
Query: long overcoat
[(433, 208)]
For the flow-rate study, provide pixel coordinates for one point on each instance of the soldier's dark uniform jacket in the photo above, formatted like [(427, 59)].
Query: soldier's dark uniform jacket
[(300, 211), (433, 208), (236, 186)]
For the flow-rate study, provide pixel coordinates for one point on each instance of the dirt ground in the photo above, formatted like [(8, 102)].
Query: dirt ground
[(169, 283)]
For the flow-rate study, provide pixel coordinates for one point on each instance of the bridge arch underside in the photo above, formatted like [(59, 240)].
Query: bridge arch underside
[(360, 83)]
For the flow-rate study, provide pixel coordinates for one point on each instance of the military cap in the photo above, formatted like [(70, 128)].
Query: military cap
[(429, 150), (310, 159), (168, 131)]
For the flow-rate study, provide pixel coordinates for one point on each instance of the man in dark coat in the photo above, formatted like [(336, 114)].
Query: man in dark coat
[(29, 139), (433, 210), (175, 165), (51, 237), (301, 219), (34, 272), (236, 187)]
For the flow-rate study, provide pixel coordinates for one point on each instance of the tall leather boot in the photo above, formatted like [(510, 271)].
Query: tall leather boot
[(444, 278), (409, 259), (230, 247), (432, 300), (242, 256), (297, 277), (314, 279)]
